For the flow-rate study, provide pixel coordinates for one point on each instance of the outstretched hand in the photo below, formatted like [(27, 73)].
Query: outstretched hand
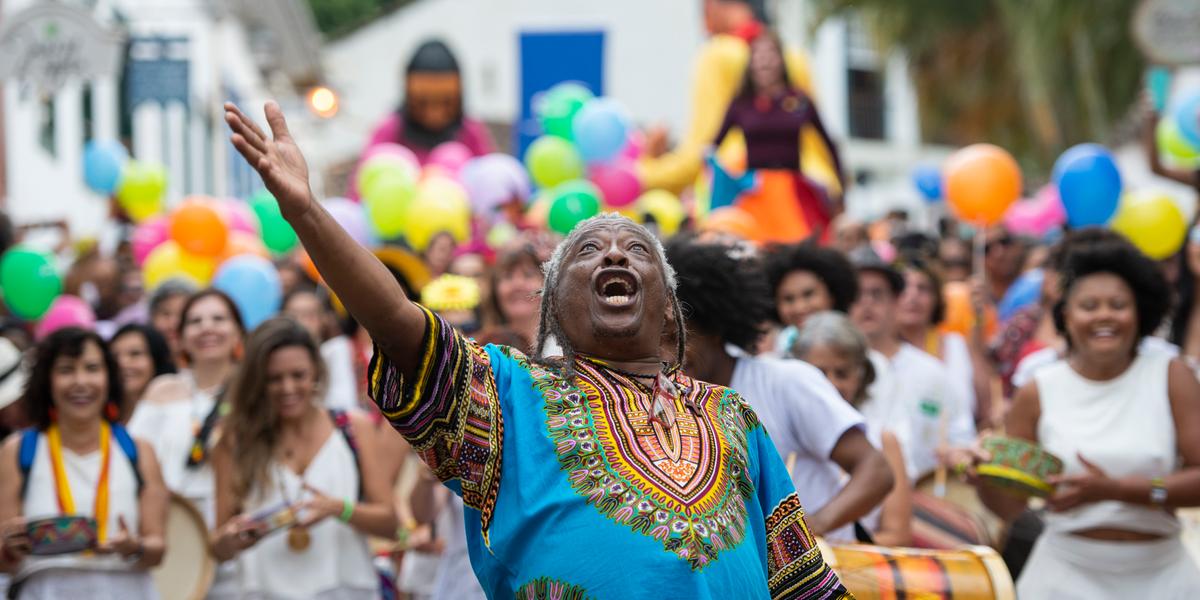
[(276, 158)]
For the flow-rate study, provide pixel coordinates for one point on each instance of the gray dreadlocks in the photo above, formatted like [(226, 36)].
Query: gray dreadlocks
[(550, 323)]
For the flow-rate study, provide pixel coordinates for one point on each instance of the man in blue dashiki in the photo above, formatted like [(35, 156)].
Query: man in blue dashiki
[(606, 473)]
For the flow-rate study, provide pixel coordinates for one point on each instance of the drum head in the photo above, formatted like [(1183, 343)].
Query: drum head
[(61, 535), (187, 569)]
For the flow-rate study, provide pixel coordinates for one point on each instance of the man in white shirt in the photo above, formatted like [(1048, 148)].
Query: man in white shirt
[(818, 434), (909, 384)]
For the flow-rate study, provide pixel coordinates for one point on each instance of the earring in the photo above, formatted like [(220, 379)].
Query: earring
[(53, 414), (238, 351), (112, 411)]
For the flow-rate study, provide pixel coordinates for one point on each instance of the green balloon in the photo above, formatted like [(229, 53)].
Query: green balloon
[(573, 203), (553, 160), (560, 105), (387, 200), (1172, 144), (29, 282), (277, 235)]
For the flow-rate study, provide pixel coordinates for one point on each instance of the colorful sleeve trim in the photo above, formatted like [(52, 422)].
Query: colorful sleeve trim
[(545, 588), (795, 567), (448, 410)]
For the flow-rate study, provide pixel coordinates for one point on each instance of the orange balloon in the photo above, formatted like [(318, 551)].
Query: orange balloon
[(241, 243), (199, 228), (306, 262), (733, 221), (960, 315), (981, 181)]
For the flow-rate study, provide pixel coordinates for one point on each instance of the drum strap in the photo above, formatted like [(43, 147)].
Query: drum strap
[(341, 419), (28, 451)]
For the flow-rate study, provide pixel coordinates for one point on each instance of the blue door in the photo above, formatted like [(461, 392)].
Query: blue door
[(550, 57)]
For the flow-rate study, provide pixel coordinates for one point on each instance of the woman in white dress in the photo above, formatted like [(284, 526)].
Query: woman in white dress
[(180, 412), (283, 449), (78, 460), (1127, 427)]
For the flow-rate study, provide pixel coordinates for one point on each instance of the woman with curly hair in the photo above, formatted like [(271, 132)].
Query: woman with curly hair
[(805, 279), (1127, 428), (283, 450), (77, 460)]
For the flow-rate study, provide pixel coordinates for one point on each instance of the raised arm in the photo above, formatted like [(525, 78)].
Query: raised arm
[(362, 283)]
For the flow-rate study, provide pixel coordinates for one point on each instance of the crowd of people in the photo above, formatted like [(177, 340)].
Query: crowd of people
[(612, 412)]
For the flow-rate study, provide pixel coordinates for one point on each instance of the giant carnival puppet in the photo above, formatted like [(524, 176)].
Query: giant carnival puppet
[(432, 111), (774, 161)]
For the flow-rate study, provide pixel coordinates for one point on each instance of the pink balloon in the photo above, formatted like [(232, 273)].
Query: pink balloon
[(618, 182), (450, 156), (148, 235), (635, 145), (240, 217), (66, 311), (390, 149), (1048, 196), (1037, 216)]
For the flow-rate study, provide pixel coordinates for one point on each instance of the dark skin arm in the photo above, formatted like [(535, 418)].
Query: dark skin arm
[(1150, 145), (1183, 486), (895, 520), (360, 280), (870, 481)]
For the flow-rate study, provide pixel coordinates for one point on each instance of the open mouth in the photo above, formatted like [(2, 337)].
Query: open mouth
[(616, 287)]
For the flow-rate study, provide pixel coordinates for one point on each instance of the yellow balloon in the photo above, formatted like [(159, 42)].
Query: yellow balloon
[(169, 260), (665, 208), (441, 205), (1153, 222)]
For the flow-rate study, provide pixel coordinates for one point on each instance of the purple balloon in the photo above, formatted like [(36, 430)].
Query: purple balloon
[(353, 218), (494, 180)]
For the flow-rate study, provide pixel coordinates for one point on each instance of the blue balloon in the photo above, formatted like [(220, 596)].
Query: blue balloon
[(1025, 291), (1187, 116), (928, 180), (601, 130), (1089, 184), (254, 285), (103, 161)]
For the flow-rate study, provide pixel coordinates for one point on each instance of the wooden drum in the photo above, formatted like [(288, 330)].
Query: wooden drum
[(882, 573)]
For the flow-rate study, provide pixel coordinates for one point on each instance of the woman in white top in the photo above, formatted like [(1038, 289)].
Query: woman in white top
[(77, 460), (831, 343), (180, 412), (282, 448), (307, 307), (920, 309), (1127, 427)]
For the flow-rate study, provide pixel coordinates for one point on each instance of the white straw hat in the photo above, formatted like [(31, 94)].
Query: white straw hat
[(12, 373)]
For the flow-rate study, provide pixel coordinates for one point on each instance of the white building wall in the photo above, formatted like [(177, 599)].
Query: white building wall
[(192, 143)]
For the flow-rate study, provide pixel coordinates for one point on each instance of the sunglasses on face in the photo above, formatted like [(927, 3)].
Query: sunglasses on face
[(1004, 241)]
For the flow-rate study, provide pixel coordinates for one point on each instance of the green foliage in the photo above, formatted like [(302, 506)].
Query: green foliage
[(337, 16), (1034, 76)]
